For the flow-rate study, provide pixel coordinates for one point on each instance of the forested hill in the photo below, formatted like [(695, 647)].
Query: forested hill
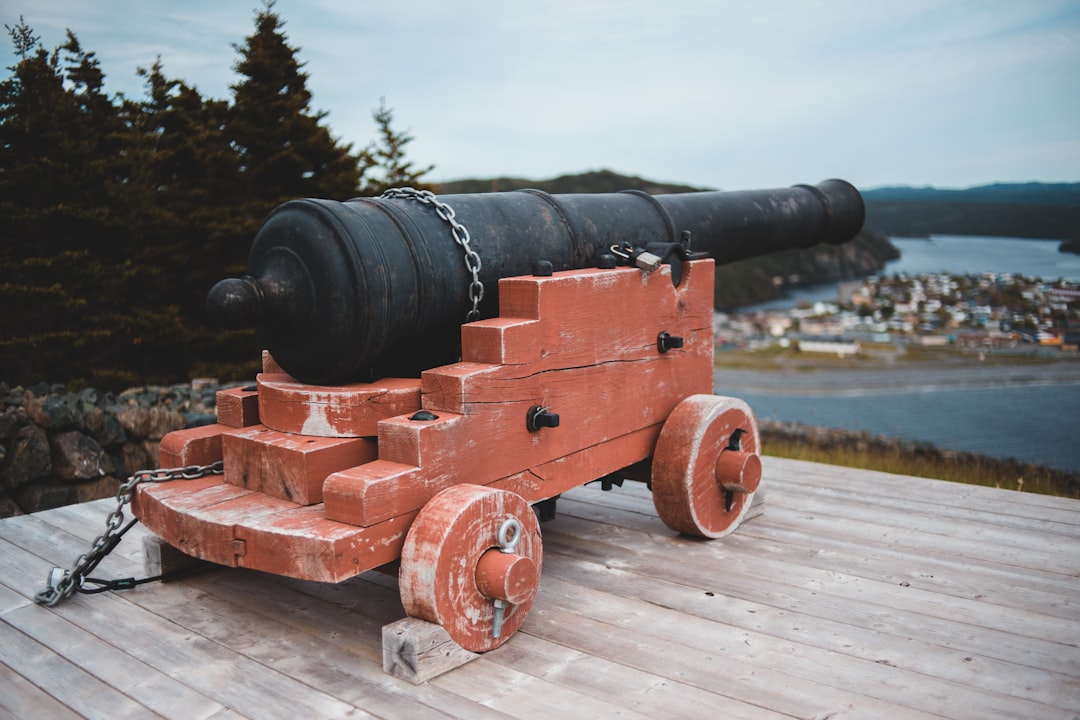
[(741, 283), (1031, 210), (1033, 193), (597, 181)]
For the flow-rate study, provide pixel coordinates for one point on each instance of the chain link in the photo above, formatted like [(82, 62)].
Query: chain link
[(461, 237), (62, 584)]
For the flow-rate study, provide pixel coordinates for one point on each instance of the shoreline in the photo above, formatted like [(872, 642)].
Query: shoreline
[(785, 376), (880, 408)]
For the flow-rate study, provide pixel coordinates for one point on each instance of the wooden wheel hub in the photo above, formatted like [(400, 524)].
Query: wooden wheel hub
[(461, 569), (506, 576), (738, 471), (706, 465)]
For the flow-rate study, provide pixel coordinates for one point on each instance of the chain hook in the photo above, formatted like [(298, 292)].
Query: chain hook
[(509, 535), (62, 584)]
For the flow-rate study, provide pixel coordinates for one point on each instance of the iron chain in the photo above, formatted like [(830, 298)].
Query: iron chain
[(461, 237), (62, 584)]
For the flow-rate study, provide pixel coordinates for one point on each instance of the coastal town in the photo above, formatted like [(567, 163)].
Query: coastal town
[(984, 312)]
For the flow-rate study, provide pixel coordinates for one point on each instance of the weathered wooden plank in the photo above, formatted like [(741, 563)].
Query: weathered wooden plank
[(271, 618), (334, 411), (806, 617), (191, 446), (1000, 508), (880, 642), (871, 483), (169, 645), (238, 407), (522, 695), (113, 666), (161, 643), (69, 684), (1018, 586), (288, 466), (920, 529), (10, 600), (742, 675), (959, 576), (879, 678), (256, 640), (26, 565), (348, 615), (86, 521), (745, 561), (608, 679), (20, 698), (355, 598), (999, 514)]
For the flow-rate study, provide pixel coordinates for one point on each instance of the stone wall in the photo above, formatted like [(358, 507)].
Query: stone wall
[(59, 447)]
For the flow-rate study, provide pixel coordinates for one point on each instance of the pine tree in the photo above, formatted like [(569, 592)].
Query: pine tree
[(117, 215), (186, 218), (285, 150), (63, 167), (386, 155), (184, 176)]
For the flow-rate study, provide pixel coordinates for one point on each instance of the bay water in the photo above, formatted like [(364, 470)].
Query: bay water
[(1034, 422)]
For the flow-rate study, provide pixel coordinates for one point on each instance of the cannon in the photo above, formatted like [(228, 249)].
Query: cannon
[(438, 370), (377, 287)]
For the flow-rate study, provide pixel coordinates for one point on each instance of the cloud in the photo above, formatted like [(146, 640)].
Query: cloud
[(708, 92)]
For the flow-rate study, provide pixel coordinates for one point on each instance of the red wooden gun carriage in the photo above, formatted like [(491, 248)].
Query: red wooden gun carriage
[(594, 362)]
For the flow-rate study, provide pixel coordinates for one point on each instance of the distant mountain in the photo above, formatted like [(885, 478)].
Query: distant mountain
[(596, 181), (1027, 210), (1052, 194)]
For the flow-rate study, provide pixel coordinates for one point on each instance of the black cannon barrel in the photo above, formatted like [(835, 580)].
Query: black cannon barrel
[(375, 287)]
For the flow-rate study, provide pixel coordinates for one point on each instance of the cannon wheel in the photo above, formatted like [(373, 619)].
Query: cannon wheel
[(471, 563), (706, 465)]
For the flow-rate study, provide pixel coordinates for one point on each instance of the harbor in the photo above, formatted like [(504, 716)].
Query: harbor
[(935, 358)]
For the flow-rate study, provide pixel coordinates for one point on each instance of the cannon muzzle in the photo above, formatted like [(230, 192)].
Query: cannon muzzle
[(377, 287)]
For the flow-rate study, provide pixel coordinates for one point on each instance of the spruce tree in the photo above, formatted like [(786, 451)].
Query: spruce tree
[(284, 149), (63, 170), (386, 155), (187, 218), (117, 215)]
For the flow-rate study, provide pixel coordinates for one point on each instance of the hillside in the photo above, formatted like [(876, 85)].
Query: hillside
[(597, 181), (741, 283), (1027, 210), (1047, 194)]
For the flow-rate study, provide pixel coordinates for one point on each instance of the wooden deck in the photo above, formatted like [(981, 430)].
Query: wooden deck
[(856, 594)]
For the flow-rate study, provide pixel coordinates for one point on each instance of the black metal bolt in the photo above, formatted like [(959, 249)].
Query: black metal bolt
[(424, 415), (542, 268), (539, 417), (666, 341)]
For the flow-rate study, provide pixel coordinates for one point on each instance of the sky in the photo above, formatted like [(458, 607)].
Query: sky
[(717, 94)]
